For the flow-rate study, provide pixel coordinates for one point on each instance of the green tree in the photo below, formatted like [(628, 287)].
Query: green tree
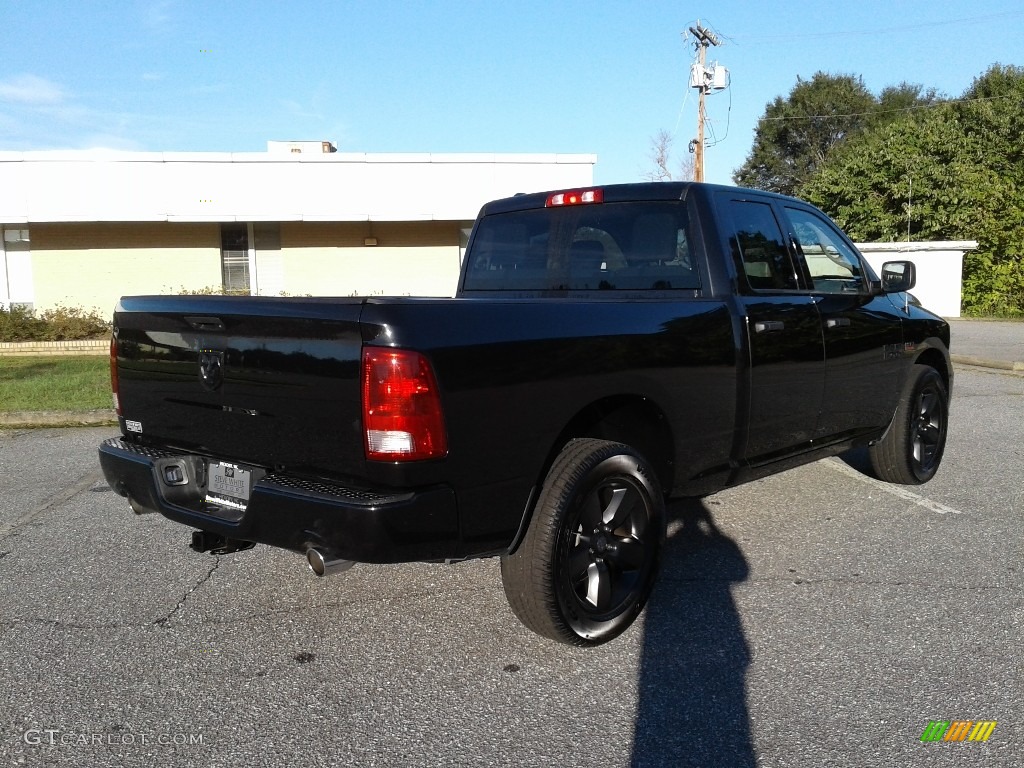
[(952, 172), (896, 100), (796, 134), (992, 117)]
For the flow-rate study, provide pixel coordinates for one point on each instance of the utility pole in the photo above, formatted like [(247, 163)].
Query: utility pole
[(702, 82)]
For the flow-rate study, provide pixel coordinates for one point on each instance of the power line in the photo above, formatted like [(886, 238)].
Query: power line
[(728, 122), (679, 116), (875, 30)]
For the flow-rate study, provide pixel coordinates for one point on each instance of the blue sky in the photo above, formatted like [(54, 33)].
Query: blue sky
[(565, 76)]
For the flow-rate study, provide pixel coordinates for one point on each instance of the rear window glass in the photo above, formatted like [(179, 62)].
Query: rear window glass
[(607, 246)]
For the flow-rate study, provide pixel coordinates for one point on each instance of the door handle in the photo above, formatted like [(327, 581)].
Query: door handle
[(836, 322), (768, 325)]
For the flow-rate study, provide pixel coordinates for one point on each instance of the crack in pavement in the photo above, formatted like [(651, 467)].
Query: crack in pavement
[(321, 610), (80, 486), (161, 622), (58, 624)]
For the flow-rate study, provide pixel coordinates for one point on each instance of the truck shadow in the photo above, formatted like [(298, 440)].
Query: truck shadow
[(692, 700), (857, 458)]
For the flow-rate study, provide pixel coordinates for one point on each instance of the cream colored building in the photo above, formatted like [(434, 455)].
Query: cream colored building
[(84, 228)]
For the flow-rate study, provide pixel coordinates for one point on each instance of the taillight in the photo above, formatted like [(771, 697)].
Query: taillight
[(575, 197), (402, 419), (114, 387)]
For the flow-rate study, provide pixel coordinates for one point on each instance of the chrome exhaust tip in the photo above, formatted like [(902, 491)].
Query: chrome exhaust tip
[(324, 563), (138, 509)]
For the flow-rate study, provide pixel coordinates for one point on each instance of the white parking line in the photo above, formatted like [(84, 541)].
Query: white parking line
[(898, 491)]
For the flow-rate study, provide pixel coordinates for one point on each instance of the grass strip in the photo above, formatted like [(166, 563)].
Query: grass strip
[(54, 383)]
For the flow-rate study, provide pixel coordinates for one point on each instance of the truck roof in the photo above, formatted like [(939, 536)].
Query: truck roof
[(650, 190)]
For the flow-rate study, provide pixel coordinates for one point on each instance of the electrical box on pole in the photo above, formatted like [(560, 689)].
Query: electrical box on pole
[(715, 77), (720, 78), (697, 76)]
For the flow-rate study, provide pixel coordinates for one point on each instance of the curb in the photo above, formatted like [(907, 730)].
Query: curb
[(94, 347), (979, 362), (102, 418)]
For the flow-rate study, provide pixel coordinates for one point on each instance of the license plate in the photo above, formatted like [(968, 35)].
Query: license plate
[(229, 480)]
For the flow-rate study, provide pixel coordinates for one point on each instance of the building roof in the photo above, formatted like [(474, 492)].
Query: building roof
[(102, 185)]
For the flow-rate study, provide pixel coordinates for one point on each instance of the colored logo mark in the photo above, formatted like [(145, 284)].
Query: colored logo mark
[(958, 730)]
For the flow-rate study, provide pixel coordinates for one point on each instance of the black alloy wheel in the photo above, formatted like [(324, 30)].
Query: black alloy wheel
[(588, 562), (605, 552), (928, 430), (911, 450)]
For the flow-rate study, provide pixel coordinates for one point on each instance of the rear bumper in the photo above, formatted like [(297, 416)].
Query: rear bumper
[(292, 513)]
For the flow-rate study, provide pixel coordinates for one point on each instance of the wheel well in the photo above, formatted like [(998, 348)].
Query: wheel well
[(934, 359), (629, 419)]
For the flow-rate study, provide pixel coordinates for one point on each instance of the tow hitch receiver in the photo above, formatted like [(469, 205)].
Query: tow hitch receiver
[(204, 541)]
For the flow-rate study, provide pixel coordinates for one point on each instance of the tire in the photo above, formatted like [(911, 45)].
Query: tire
[(911, 450), (590, 556)]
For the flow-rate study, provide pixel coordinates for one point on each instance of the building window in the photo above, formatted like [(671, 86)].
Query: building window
[(16, 239), (16, 284), (234, 257)]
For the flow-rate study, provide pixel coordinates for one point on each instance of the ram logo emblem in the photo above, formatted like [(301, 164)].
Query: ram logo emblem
[(211, 368)]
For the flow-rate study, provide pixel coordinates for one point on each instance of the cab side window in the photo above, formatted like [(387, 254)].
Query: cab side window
[(759, 247), (833, 265)]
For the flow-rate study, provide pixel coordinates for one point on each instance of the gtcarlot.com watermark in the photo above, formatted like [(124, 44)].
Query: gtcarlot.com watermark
[(58, 738)]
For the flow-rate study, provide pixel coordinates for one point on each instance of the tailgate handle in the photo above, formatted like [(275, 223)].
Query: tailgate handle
[(835, 322), (205, 323), (769, 325)]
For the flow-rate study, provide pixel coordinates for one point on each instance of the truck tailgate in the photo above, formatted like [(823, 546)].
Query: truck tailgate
[(272, 382)]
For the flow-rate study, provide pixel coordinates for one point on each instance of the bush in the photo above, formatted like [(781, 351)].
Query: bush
[(210, 290), (19, 324), (217, 290), (58, 324)]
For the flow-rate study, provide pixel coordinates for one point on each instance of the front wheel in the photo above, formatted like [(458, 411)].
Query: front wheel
[(911, 451), (590, 556)]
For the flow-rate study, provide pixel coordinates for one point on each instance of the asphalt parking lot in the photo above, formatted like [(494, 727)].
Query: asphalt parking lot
[(816, 618)]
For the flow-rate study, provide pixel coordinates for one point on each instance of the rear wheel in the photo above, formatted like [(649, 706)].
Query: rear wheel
[(911, 451), (590, 557)]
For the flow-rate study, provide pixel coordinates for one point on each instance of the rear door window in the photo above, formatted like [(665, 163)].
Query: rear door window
[(605, 246), (759, 247)]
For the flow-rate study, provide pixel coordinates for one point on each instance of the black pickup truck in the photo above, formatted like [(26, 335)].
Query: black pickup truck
[(608, 348)]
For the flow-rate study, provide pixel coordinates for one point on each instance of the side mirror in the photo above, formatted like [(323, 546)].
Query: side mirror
[(898, 276)]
